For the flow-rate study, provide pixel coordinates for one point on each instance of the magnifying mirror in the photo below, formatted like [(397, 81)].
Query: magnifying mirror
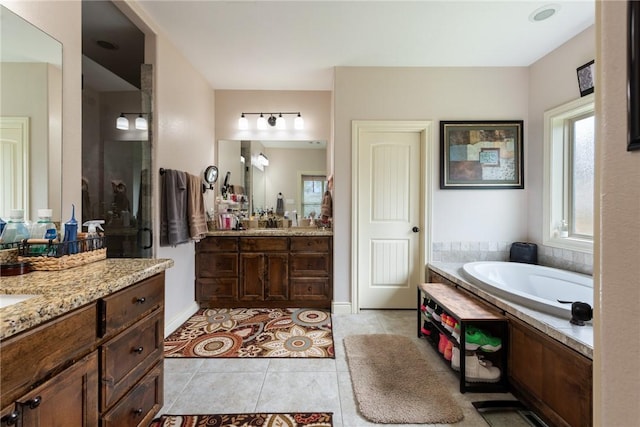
[(211, 175)]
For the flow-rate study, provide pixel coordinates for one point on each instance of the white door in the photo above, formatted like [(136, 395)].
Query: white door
[(390, 213), (14, 164)]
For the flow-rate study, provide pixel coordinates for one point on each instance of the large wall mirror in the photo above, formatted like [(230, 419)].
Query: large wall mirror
[(262, 170), (30, 118)]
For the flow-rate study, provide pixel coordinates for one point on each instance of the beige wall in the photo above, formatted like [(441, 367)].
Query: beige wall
[(617, 273), (376, 93), (552, 82)]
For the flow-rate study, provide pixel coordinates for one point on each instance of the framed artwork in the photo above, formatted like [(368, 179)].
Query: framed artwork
[(585, 78), (481, 154), (633, 76)]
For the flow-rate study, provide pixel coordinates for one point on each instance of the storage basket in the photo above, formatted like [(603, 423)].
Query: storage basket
[(60, 256)]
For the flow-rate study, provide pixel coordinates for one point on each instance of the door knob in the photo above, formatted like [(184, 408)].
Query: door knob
[(415, 229)]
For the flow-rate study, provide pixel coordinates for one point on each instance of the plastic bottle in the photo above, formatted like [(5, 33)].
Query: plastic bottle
[(71, 232), (15, 230), (2, 224), (92, 233), (44, 228)]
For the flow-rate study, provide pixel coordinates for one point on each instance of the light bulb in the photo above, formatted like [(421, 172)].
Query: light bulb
[(243, 123), (122, 123), (262, 122), (141, 123), (280, 123), (299, 122)]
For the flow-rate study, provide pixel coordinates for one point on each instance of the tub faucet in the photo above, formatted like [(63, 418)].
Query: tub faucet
[(580, 312)]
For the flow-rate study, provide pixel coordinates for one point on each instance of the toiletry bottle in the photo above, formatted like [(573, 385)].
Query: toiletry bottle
[(2, 224), (43, 229), (15, 230), (71, 233), (93, 241)]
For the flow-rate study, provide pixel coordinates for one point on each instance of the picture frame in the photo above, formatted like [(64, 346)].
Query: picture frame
[(633, 76), (485, 154), (586, 75)]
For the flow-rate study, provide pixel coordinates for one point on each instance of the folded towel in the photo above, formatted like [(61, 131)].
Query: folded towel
[(196, 216), (326, 209), (174, 228)]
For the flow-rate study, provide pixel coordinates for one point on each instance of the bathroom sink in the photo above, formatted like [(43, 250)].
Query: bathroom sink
[(7, 299)]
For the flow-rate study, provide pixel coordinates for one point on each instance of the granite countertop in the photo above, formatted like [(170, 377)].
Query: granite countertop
[(59, 292), (579, 338), (293, 231)]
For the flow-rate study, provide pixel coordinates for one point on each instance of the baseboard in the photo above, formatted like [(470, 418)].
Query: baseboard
[(341, 308), (178, 320)]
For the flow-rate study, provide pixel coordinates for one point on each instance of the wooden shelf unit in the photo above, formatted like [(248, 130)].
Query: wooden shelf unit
[(467, 311)]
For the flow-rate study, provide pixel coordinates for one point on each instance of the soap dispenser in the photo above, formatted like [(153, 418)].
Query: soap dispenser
[(71, 232)]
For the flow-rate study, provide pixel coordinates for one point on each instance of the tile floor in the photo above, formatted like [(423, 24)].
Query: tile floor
[(206, 386)]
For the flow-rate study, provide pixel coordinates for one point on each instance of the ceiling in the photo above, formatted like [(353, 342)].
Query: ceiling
[(294, 45)]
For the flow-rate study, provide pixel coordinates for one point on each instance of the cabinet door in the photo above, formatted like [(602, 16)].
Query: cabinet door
[(252, 268), (310, 289), (70, 399), (277, 277)]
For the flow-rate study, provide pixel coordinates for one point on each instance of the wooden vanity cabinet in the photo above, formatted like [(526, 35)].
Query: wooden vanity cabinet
[(264, 271), (98, 365), (131, 359), (311, 261), (217, 273)]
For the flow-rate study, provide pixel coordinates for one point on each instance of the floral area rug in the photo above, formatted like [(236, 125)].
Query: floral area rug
[(253, 332), (245, 420)]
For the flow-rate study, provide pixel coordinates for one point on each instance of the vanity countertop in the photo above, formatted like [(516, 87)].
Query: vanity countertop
[(59, 292), (579, 338), (293, 231)]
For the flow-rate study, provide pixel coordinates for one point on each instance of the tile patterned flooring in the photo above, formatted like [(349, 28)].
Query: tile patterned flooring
[(208, 386)]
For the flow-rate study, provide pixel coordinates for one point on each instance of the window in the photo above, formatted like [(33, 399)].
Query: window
[(313, 188), (569, 175)]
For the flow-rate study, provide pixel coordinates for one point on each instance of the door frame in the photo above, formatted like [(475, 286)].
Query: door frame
[(426, 129)]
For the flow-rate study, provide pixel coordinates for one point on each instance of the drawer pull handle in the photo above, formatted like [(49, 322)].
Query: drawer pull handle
[(138, 350), (141, 300), (137, 412), (34, 403), (11, 419)]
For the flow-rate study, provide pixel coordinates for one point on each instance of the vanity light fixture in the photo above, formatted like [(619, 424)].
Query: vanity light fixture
[(140, 123), (275, 119)]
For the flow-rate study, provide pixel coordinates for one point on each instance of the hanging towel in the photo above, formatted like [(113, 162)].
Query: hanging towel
[(280, 205), (326, 209), (174, 228), (196, 216)]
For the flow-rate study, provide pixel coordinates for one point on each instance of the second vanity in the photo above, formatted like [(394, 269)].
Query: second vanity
[(86, 348), (269, 268)]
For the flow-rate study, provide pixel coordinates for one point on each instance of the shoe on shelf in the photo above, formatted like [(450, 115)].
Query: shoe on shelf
[(448, 350), (476, 338), (442, 343), (437, 311), (449, 324), (478, 370), (426, 328), (456, 331), (431, 306)]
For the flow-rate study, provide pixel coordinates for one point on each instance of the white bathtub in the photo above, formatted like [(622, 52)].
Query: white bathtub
[(533, 286)]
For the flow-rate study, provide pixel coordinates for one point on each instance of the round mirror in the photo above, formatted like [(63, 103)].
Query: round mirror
[(211, 175)]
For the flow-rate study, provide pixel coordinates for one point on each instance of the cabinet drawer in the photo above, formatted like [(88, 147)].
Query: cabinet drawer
[(310, 289), (130, 304), (254, 244), (310, 265), (217, 264), (139, 406), (216, 289), (310, 244), (29, 357), (125, 358), (217, 244)]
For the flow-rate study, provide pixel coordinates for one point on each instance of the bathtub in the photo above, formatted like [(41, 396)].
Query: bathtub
[(533, 286)]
